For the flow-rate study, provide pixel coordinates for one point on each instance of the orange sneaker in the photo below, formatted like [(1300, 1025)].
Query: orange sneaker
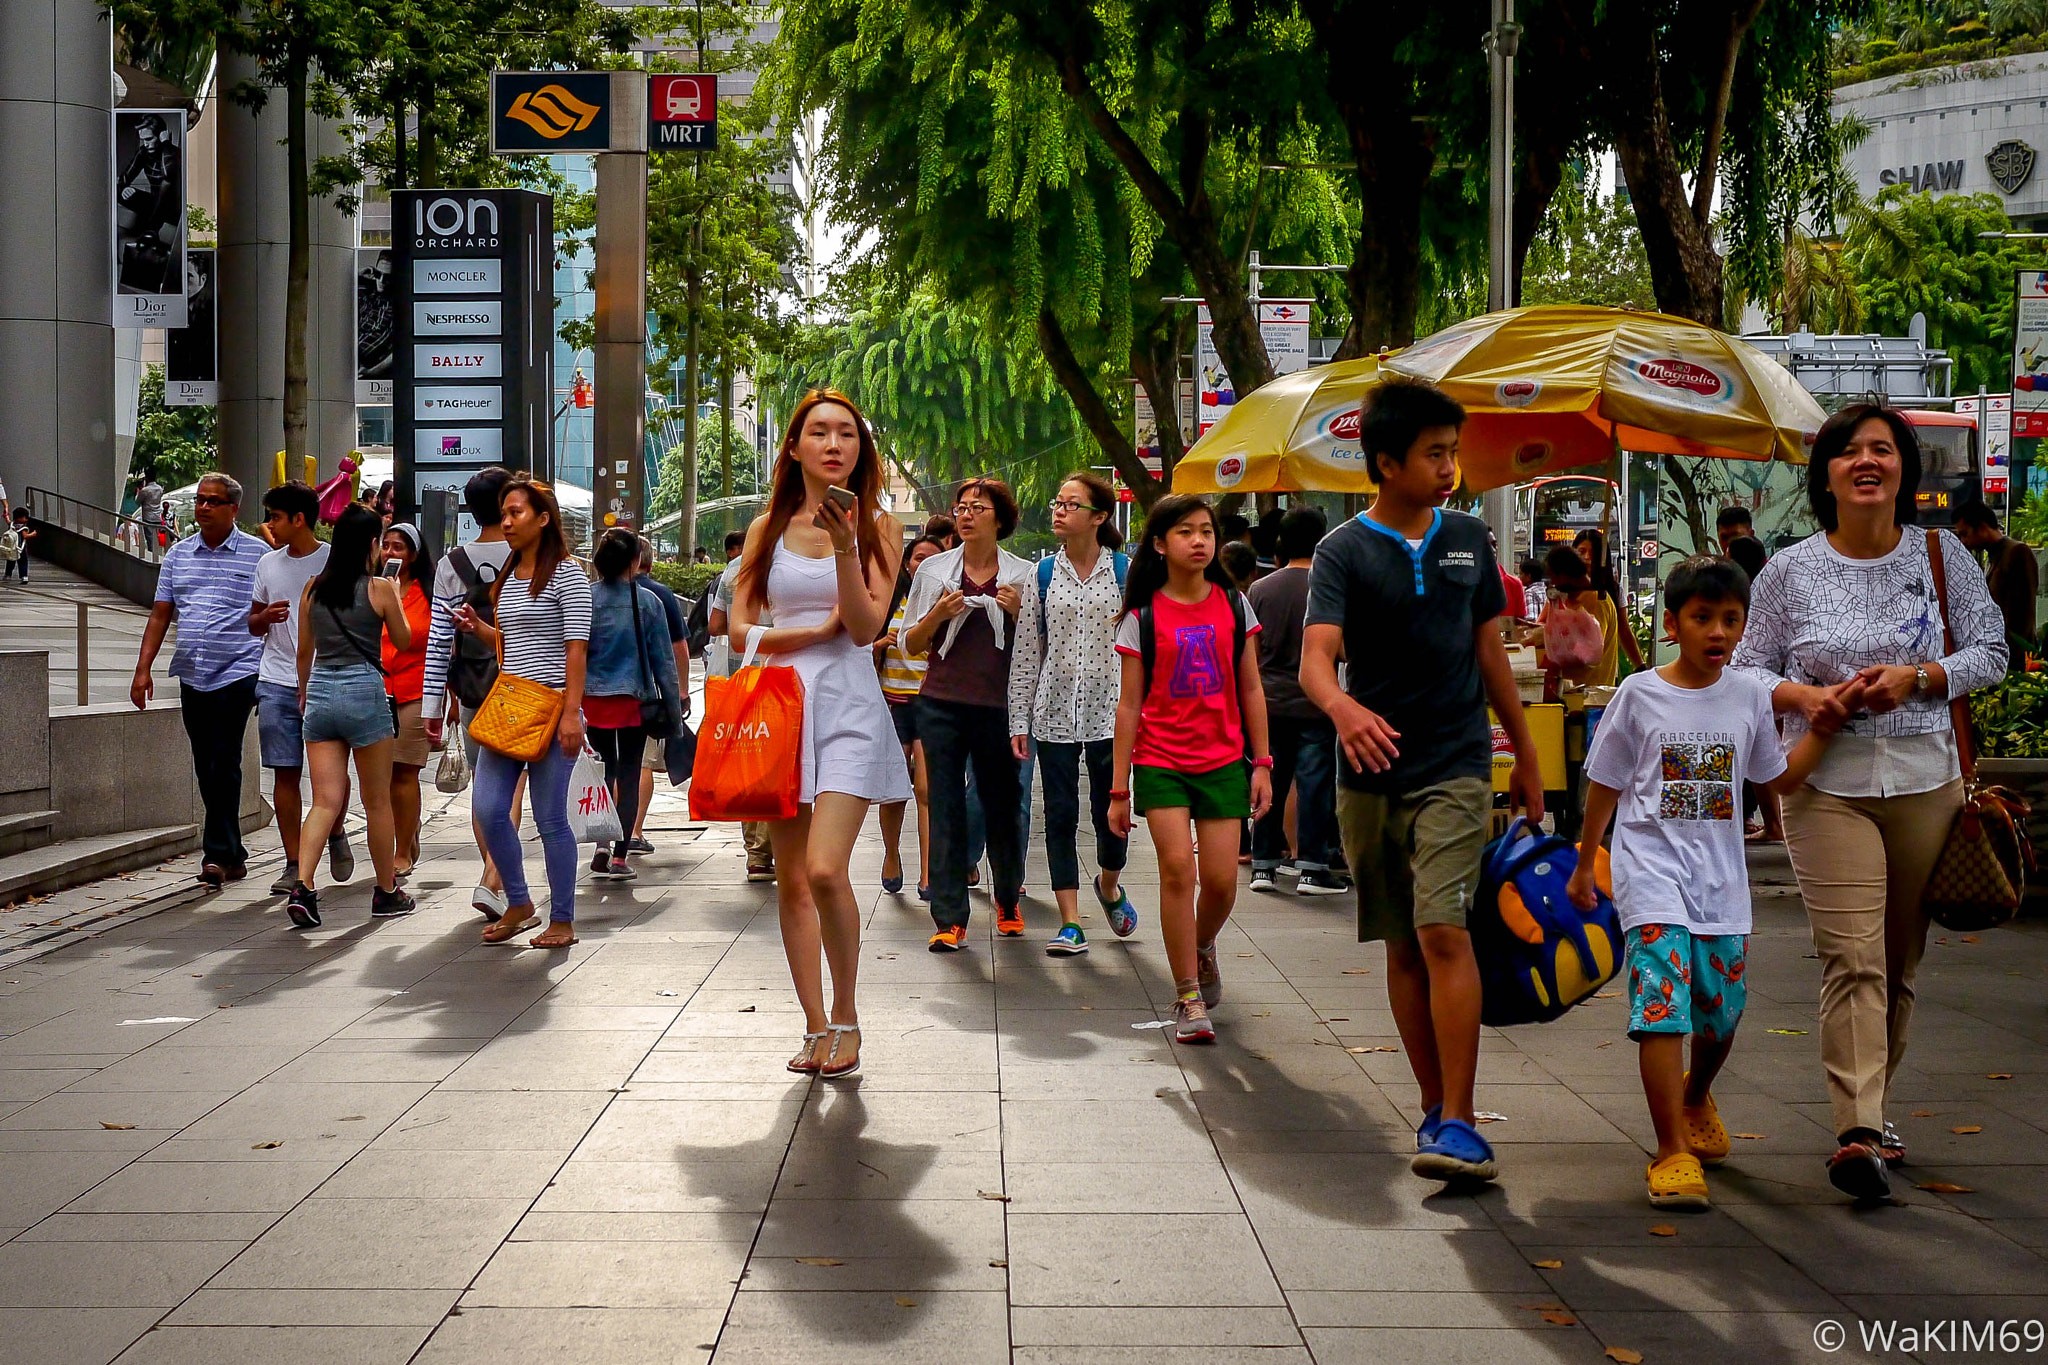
[(951, 939), (1010, 921)]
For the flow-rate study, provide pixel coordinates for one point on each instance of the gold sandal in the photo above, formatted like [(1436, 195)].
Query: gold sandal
[(834, 1069), (806, 1063)]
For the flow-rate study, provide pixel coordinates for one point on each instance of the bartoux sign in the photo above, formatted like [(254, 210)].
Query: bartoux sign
[(472, 314)]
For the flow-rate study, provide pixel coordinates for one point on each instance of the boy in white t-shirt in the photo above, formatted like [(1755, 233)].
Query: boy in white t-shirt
[(1671, 754)]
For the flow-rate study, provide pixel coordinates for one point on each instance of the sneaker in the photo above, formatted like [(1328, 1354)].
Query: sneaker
[(488, 903), (1209, 976), (1191, 1022), (341, 859), (390, 904), (601, 863), (304, 907), (1262, 879), (1677, 1182), (950, 939), (1123, 916), (1431, 1121), (622, 871), (1068, 942), (1010, 921), (760, 872), (1321, 884), (1455, 1152), (638, 845), (286, 880)]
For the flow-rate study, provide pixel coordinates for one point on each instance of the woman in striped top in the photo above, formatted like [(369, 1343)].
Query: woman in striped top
[(902, 676), (542, 603)]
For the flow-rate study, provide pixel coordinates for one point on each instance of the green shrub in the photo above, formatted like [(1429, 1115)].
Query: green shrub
[(2011, 719), (686, 580)]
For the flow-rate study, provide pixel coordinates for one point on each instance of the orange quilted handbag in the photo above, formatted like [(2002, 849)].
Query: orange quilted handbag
[(519, 718)]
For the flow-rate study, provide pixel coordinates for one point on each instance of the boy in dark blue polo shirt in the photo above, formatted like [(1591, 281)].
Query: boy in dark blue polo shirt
[(1409, 593)]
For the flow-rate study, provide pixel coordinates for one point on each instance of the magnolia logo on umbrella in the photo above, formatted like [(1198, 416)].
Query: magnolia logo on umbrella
[(1229, 471), (1517, 393), (1529, 456), (1683, 375), (1342, 426)]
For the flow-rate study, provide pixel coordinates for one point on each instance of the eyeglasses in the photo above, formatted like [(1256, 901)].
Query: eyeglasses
[(209, 500), (1069, 505), (978, 509)]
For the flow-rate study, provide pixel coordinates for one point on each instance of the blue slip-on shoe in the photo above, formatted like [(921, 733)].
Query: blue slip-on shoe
[(1123, 916), (1457, 1152), (924, 893), (892, 884), (1068, 942), (1431, 1121)]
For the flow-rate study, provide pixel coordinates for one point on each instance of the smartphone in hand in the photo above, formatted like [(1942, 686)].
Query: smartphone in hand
[(843, 496)]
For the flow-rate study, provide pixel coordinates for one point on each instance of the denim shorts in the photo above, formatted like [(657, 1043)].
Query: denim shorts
[(347, 703), (277, 725), (1682, 982)]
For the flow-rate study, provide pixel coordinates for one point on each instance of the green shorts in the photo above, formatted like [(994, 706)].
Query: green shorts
[(1223, 793), (1415, 855)]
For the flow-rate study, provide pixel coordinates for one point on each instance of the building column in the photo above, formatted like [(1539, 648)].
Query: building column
[(57, 250), (255, 244)]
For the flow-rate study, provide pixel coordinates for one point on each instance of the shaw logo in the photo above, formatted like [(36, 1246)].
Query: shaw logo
[(1229, 471), (552, 112), (1673, 373), (1516, 393), (746, 729)]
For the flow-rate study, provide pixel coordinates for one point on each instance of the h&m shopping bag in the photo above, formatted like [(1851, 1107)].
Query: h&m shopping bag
[(592, 817), (750, 751)]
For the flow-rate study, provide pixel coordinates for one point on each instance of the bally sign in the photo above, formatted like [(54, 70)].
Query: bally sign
[(458, 362)]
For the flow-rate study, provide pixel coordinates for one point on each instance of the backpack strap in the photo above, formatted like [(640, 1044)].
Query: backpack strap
[(1148, 648), (1120, 563), (1044, 589)]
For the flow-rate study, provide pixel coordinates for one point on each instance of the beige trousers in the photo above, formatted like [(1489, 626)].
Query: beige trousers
[(754, 833), (1862, 863)]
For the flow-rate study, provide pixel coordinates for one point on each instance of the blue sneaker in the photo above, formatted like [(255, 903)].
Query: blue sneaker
[(1123, 916), (1431, 1121), (1068, 942), (1455, 1152)]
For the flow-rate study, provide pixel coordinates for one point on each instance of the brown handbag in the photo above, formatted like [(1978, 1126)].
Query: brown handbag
[(520, 717), (1980, 876)]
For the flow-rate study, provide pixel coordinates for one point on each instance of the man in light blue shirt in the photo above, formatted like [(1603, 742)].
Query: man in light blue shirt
[(205, 585)]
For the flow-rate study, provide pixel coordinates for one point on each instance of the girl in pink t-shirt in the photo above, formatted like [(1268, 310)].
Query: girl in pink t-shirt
[(1191, 696)]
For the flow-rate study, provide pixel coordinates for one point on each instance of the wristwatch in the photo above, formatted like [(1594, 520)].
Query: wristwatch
[(1923, 682)]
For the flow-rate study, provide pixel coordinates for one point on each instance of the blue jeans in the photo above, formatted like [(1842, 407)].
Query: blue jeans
[(1304, 753), (547, 793)]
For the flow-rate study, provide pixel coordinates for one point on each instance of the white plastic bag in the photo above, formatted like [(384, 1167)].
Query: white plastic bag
[(591, 816), (452, 775)]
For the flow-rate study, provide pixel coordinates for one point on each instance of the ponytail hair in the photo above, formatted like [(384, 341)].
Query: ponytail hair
[(1147, 573), (1101, 498)]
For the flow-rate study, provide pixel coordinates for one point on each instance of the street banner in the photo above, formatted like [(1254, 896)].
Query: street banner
[(191, 352), (550, 111), (149, 217), (1994, 433), (376, 326), (2030, 353), (1284, 326), (682, 113)]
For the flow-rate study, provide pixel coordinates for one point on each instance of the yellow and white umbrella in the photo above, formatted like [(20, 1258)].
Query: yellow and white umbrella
[(1298, 432), (1559, 385)]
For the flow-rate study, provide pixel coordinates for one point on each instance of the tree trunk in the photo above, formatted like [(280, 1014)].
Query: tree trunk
[(298, 267), (693, 288), (398, 146), (1109, 433), (725, 399), (429, 168)]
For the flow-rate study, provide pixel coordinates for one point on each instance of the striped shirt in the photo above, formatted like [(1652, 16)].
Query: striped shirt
[(538, 629), (902, 674), (209, 589)]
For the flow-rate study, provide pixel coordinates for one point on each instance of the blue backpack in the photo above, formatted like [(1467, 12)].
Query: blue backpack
[(1538, 954), (1118, 563)]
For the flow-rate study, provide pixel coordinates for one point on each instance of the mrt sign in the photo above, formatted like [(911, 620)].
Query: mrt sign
[(682, 113)]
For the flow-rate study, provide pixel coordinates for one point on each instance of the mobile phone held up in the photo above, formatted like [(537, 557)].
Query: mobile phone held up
[(843, 496), (392, 568)]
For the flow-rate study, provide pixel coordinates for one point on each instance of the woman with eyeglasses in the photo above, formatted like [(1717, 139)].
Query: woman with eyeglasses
[(1065, 681), (962, 615), (825, 573)]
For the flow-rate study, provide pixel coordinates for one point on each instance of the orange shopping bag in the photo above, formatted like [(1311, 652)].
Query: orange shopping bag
[(749, 752)]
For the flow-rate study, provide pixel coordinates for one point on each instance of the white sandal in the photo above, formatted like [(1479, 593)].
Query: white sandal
[(804, 1063), (830, 1071)]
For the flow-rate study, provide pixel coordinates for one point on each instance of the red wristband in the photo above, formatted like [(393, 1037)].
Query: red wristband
[(1265, 762), (1119, 796)]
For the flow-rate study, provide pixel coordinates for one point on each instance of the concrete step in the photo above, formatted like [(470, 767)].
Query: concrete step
[(53, 867), (26, 821)]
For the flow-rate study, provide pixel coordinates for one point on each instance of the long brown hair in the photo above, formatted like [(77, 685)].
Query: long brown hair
[(552, 548), (864, 481)]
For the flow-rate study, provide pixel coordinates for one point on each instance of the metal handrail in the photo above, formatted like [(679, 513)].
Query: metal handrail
[(112, 529)]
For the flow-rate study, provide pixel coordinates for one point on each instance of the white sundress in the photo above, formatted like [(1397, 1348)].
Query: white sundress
[(849, 742)]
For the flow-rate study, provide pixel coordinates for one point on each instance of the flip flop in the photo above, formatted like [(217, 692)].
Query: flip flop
[(569, 942), (504, 928)]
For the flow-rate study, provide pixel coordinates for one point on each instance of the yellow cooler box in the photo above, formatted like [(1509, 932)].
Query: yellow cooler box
[(1546, 725)]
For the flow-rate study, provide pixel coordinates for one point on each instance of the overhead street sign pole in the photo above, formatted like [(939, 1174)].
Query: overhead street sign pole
[(619, 473)]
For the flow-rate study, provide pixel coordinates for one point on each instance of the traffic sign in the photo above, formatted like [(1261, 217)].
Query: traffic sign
[(551, 111), (682, 113)]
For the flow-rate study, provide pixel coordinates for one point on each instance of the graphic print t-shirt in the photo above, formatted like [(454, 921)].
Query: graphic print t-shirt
[(1189, 721), (1679, 757)]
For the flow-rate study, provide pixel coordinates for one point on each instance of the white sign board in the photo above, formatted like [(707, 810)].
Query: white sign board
[(2030, 353), (1995, 428), (1284, 326)]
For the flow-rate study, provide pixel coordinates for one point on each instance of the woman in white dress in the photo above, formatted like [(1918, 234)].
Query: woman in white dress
[(825, 577)]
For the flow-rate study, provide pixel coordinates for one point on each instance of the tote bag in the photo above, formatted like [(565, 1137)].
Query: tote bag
[(750, 751)]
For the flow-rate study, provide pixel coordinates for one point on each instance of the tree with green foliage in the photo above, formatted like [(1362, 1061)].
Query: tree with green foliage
[(1588, 250), (1923, 253), (176, 444)]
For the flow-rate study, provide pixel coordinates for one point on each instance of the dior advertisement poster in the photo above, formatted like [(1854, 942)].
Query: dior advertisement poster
[(376, 326), (191, 357), (149, 217)]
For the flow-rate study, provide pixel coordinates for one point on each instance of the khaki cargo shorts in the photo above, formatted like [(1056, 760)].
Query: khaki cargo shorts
[(1415, 855)]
